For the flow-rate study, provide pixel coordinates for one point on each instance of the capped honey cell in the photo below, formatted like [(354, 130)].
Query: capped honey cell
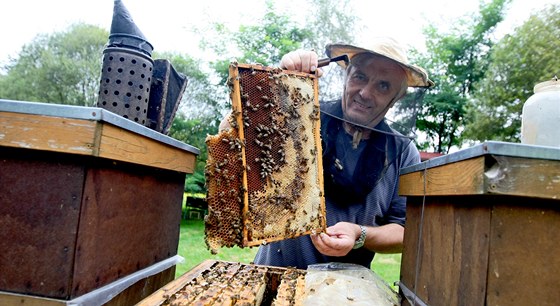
[(275, 117)]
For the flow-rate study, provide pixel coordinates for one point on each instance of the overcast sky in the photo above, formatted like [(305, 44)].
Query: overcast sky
[(168, 24)]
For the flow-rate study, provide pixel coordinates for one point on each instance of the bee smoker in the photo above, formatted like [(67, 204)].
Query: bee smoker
[(127, 69)]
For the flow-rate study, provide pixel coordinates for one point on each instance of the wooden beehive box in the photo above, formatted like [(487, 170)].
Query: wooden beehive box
[(482, 227), (87, 199), (231, 283)]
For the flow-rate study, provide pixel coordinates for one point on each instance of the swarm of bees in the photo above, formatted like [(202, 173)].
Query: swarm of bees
[(264, 175)]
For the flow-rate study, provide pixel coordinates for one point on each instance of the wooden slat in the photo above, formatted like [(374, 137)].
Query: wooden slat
[(158, 297), (47, 133), (527, 177), (8, 298), (524, 266), (489, 174), (453, 257), (123, 145), (460, 178), (87, 137)]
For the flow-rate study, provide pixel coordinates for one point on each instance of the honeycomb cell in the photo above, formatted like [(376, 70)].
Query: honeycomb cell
[(275, 129)]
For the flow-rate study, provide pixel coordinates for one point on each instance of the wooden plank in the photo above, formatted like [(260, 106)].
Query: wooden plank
[(140, 203), (460, 178), (123, 145), (527, 177), (453, 250), (488, 174), (158, 297), (524, 266), (8, 298), (143, 288), (87, 137), (40, 200), (47, 133)]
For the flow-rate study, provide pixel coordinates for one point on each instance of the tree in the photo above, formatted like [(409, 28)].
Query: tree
[(518, 62), (456, 61), (61, 68), (331, 26), (194, 132), (264, 43)]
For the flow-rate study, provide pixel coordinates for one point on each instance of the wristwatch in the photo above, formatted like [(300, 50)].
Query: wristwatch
[(362, 239)]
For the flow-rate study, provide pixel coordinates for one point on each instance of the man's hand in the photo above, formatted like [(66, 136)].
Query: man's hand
[(338, 240), (301, 60)]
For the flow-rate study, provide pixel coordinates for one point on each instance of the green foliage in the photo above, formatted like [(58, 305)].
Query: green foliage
[(61, 68), (265, 43), (331, 25), (194, 132), (456, 61), (193, 248), (518, 62), (202, 98)]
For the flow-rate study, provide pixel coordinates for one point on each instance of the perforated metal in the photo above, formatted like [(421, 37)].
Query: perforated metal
[(125, 84), (276, 119)]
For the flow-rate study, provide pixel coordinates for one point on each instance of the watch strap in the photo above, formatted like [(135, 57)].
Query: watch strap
[(362, 239)]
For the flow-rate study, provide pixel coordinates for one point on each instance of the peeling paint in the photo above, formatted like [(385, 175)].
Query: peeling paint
[(80, 149), (22, 144)]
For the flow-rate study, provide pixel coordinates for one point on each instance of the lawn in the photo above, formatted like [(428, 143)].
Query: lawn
[(193, 249)]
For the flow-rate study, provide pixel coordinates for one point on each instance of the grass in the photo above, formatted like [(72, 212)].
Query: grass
[(193, 248)]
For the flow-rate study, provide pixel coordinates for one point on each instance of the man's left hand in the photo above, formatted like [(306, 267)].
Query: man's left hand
[(338, 239)]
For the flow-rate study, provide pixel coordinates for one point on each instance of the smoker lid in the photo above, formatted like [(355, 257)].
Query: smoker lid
[(125, 33)]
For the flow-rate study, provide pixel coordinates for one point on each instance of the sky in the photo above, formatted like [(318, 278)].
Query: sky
[(168, 24)]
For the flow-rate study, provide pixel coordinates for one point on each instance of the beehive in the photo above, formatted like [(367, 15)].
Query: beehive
[(230, 283), (264, 175)]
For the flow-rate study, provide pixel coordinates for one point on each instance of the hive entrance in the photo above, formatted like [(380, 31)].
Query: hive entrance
[(264, 176)]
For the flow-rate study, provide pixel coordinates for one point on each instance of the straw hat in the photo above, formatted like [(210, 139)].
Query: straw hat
[(389, 48)]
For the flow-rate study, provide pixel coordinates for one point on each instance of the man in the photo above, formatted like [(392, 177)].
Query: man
[(362, 156)]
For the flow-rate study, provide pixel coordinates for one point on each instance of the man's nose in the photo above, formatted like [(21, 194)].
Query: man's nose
[(367, 92)]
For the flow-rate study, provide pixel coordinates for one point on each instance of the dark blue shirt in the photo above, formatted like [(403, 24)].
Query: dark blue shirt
[(363, 191)]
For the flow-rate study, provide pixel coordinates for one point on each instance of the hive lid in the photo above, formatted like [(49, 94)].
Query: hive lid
[(485, 148), (90, 113)]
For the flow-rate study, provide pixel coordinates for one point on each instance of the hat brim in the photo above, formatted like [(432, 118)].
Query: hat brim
[(416, 76)]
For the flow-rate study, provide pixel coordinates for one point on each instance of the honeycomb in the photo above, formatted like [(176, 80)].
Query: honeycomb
[(224, 284), (264, 175), (224, 174), (232, 283), (292, 288)]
